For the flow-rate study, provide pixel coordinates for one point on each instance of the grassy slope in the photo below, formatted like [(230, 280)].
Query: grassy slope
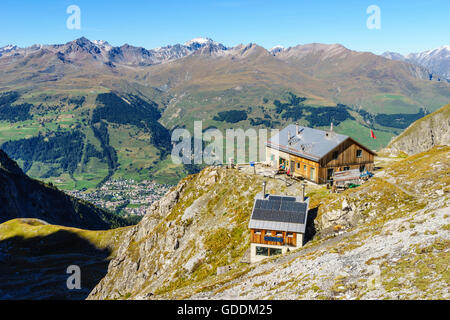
[(399, 196), (32, 228), (222, 201), (35, 256), (394, 205), (136, 154)]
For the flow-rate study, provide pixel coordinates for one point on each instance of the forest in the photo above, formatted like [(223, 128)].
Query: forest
[(398, 120), (62, 148), (295, 110), (231, 116), (13, 113), (137, 112)]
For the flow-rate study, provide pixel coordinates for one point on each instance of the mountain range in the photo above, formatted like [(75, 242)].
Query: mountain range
[(436, 60), (111, 109), (385, 239)]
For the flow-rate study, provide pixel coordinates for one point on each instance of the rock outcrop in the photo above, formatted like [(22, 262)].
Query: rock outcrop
[(424, 134), (389, 231), (198, 230)]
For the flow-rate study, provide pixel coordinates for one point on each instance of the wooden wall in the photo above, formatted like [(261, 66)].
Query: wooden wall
[(309, 164), (254, 238), (347, 155), (346, 158)]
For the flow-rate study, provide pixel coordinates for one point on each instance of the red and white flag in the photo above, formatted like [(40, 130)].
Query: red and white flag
[(372, 134)]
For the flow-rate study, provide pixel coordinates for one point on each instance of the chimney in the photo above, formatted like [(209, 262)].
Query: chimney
[(331, 127), (296, 129), (264, 189), (303, 192)]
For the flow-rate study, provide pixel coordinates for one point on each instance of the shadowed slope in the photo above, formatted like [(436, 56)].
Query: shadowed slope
[(34, 257), (23, 197)]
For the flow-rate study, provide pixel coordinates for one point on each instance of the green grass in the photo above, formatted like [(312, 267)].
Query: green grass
[(361, 134), (392, 103), (32, 228)]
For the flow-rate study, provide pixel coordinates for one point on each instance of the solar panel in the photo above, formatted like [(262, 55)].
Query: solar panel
[(299, 207), (277, 210), (274, 205), (285, 206), (281, 198)]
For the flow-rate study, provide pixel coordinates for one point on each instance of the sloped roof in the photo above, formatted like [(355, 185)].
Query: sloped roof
[(279, 213), (309, 143)]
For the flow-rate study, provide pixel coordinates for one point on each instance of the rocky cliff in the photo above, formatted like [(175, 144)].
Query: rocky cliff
[(23, 197), (385, 239), (197, 230), (423, 134)]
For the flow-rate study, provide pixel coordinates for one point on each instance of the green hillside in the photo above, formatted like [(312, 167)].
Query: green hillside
[(78, 142)]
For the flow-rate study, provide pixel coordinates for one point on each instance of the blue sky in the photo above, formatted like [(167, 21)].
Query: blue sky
[(406, 26)]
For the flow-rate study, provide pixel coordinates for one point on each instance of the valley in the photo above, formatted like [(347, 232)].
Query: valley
[(109, 111), (87, 178)]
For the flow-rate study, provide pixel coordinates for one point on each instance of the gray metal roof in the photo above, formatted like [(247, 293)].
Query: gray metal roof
[(279, 213), (308, 143)]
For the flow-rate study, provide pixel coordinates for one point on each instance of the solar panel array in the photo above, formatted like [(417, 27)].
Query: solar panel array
[(281, 210), (280, 198)]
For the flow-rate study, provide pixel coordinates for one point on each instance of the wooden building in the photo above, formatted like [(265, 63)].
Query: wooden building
[(277, 224), (316, 154)]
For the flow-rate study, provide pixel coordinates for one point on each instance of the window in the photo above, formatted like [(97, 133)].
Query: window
[(262, 251), (298, 165), (257, 232), (330, 172), (290, 235), (362, 168), (312, 175), (346, 168), (335, 155), (272, 157), (279, 234), (358, 153), (274, 252), (304, 167)]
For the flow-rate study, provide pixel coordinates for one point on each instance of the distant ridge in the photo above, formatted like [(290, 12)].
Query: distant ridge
[(436, 60)]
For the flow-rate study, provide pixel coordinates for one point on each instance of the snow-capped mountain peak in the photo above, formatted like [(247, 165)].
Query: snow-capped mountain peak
[(435, 60), (276, 49), (102, 44), (199, 40), (8, 47)]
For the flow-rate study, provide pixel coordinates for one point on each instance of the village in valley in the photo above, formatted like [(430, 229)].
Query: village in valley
[(125, 196)]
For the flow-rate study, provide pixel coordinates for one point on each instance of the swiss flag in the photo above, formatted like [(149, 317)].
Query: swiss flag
[(372, 134)]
